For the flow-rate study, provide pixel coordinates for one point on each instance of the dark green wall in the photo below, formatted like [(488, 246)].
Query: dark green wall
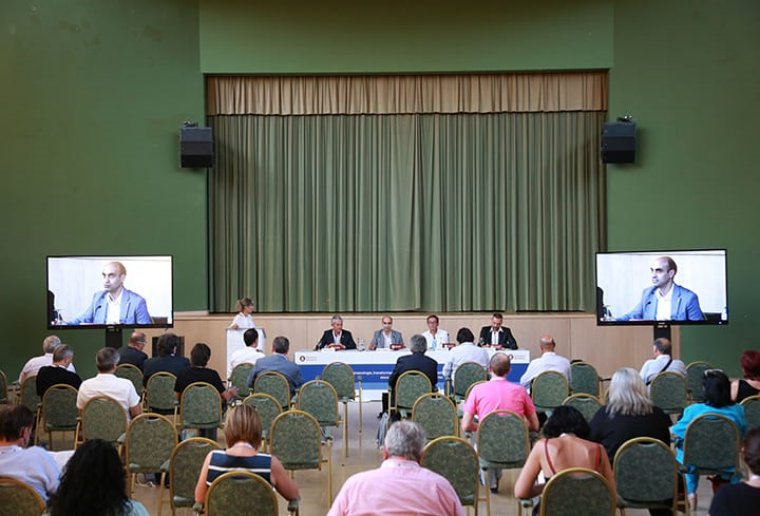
[(689, 73), (93, 96)]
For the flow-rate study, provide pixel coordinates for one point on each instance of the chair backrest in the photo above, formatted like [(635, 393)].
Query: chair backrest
[(103, 418), (585, 403), (668, 391), (503, 440), (695, 375), (59, 407), (201, 405), (469, 389), (341, 377), (19, 499), (549, 389), (28, 393), (276, 385), (266, 407), (240, 492), (711, 444), (319, 399), (295, 438), (3, 387), (132, 373), (437, 414), (159, 392), (457, 461), (185, 467), (239, 378), (752, 411), (150, 441), (584, 379), (578, 492), (410, 386), (467, 374), (646, 471)]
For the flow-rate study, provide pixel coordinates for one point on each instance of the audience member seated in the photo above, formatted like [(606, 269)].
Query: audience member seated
[(417, 361), (33, 466), (336, 338), (278, 362), (497, 335), (717, 401), (629, 413), (242, 433), (750, 384), (386, 336), (742, 499), (564, 446), (465, 351), (249, 354), (548, 361), (166, 361), (93, 484), (435, 337), (400, 485), (33, 365), (133, 352), (106, 383), (57, 373), (662, 361)]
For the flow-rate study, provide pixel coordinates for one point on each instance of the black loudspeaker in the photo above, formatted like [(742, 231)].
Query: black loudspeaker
[(619, 142), (196, 147)]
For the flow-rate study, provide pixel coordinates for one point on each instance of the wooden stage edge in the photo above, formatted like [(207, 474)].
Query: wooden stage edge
[(577, 334)]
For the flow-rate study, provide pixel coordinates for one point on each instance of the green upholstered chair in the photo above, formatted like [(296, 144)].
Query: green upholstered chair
[(669, 392), (319, 399), (239, 378), (578, 492), (159, 393), (3, 388), (200, 406), (584, 379), (548, 390), (752, 411), (276, 385), (467, 374), (585, 403), (695, 376), (28, 394), (132, 373), (456, 460), (149, 444), (19, 499), (646, 475), (184, 468), (711, 446), (59, 411), (102, 418), (267, 408), (341, 376), (409, 386), (240, 492), (437, 415)]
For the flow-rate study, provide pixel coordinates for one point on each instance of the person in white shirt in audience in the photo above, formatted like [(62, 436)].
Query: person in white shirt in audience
[(548, 361), (33, 365), (435, 336), (385, 337), (465, 351), (106, 383), (662, 361), (249, 354), (243, 319)]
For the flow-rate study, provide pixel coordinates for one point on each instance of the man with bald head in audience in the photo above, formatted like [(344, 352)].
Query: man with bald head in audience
[(133, 352), (548, 361), (33, 365)]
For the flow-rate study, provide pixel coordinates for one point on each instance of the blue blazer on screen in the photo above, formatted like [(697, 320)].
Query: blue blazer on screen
[(684, 306), (134, 310)]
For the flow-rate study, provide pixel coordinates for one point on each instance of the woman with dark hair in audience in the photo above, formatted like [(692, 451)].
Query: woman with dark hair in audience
[(242, 432), (629, 413), (93, 483), (750, 384), (564, 446), (742, 499), (717, 401)]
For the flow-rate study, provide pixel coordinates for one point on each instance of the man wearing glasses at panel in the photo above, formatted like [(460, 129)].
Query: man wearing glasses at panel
[(386, 337)]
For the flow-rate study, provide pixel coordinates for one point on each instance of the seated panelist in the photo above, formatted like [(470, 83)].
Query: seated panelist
[(336, 338), (386, 337)]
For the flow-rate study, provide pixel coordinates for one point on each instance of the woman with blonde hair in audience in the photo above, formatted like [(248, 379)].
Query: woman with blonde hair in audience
[(750, 384), (242, 432)]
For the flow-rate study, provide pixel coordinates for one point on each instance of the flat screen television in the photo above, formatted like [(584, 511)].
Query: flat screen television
[(661, 287), (109, 291)]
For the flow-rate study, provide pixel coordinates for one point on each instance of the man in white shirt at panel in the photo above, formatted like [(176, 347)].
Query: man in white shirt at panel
[(249, 354), (465, 351), (435, 336), (662, 361), (548, 361), (33, 365), (106, 383)]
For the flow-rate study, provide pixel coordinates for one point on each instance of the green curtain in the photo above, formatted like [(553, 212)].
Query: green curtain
[(459, 212)]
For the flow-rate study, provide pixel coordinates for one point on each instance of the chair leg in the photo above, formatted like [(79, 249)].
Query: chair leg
[(488, 494), (131, 483), (345, 429), (329, 474), (360, 407), (161, 493)]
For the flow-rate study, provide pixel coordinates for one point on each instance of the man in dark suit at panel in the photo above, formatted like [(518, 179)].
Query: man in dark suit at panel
[(336, 337), (497, 335), (417, 361)]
